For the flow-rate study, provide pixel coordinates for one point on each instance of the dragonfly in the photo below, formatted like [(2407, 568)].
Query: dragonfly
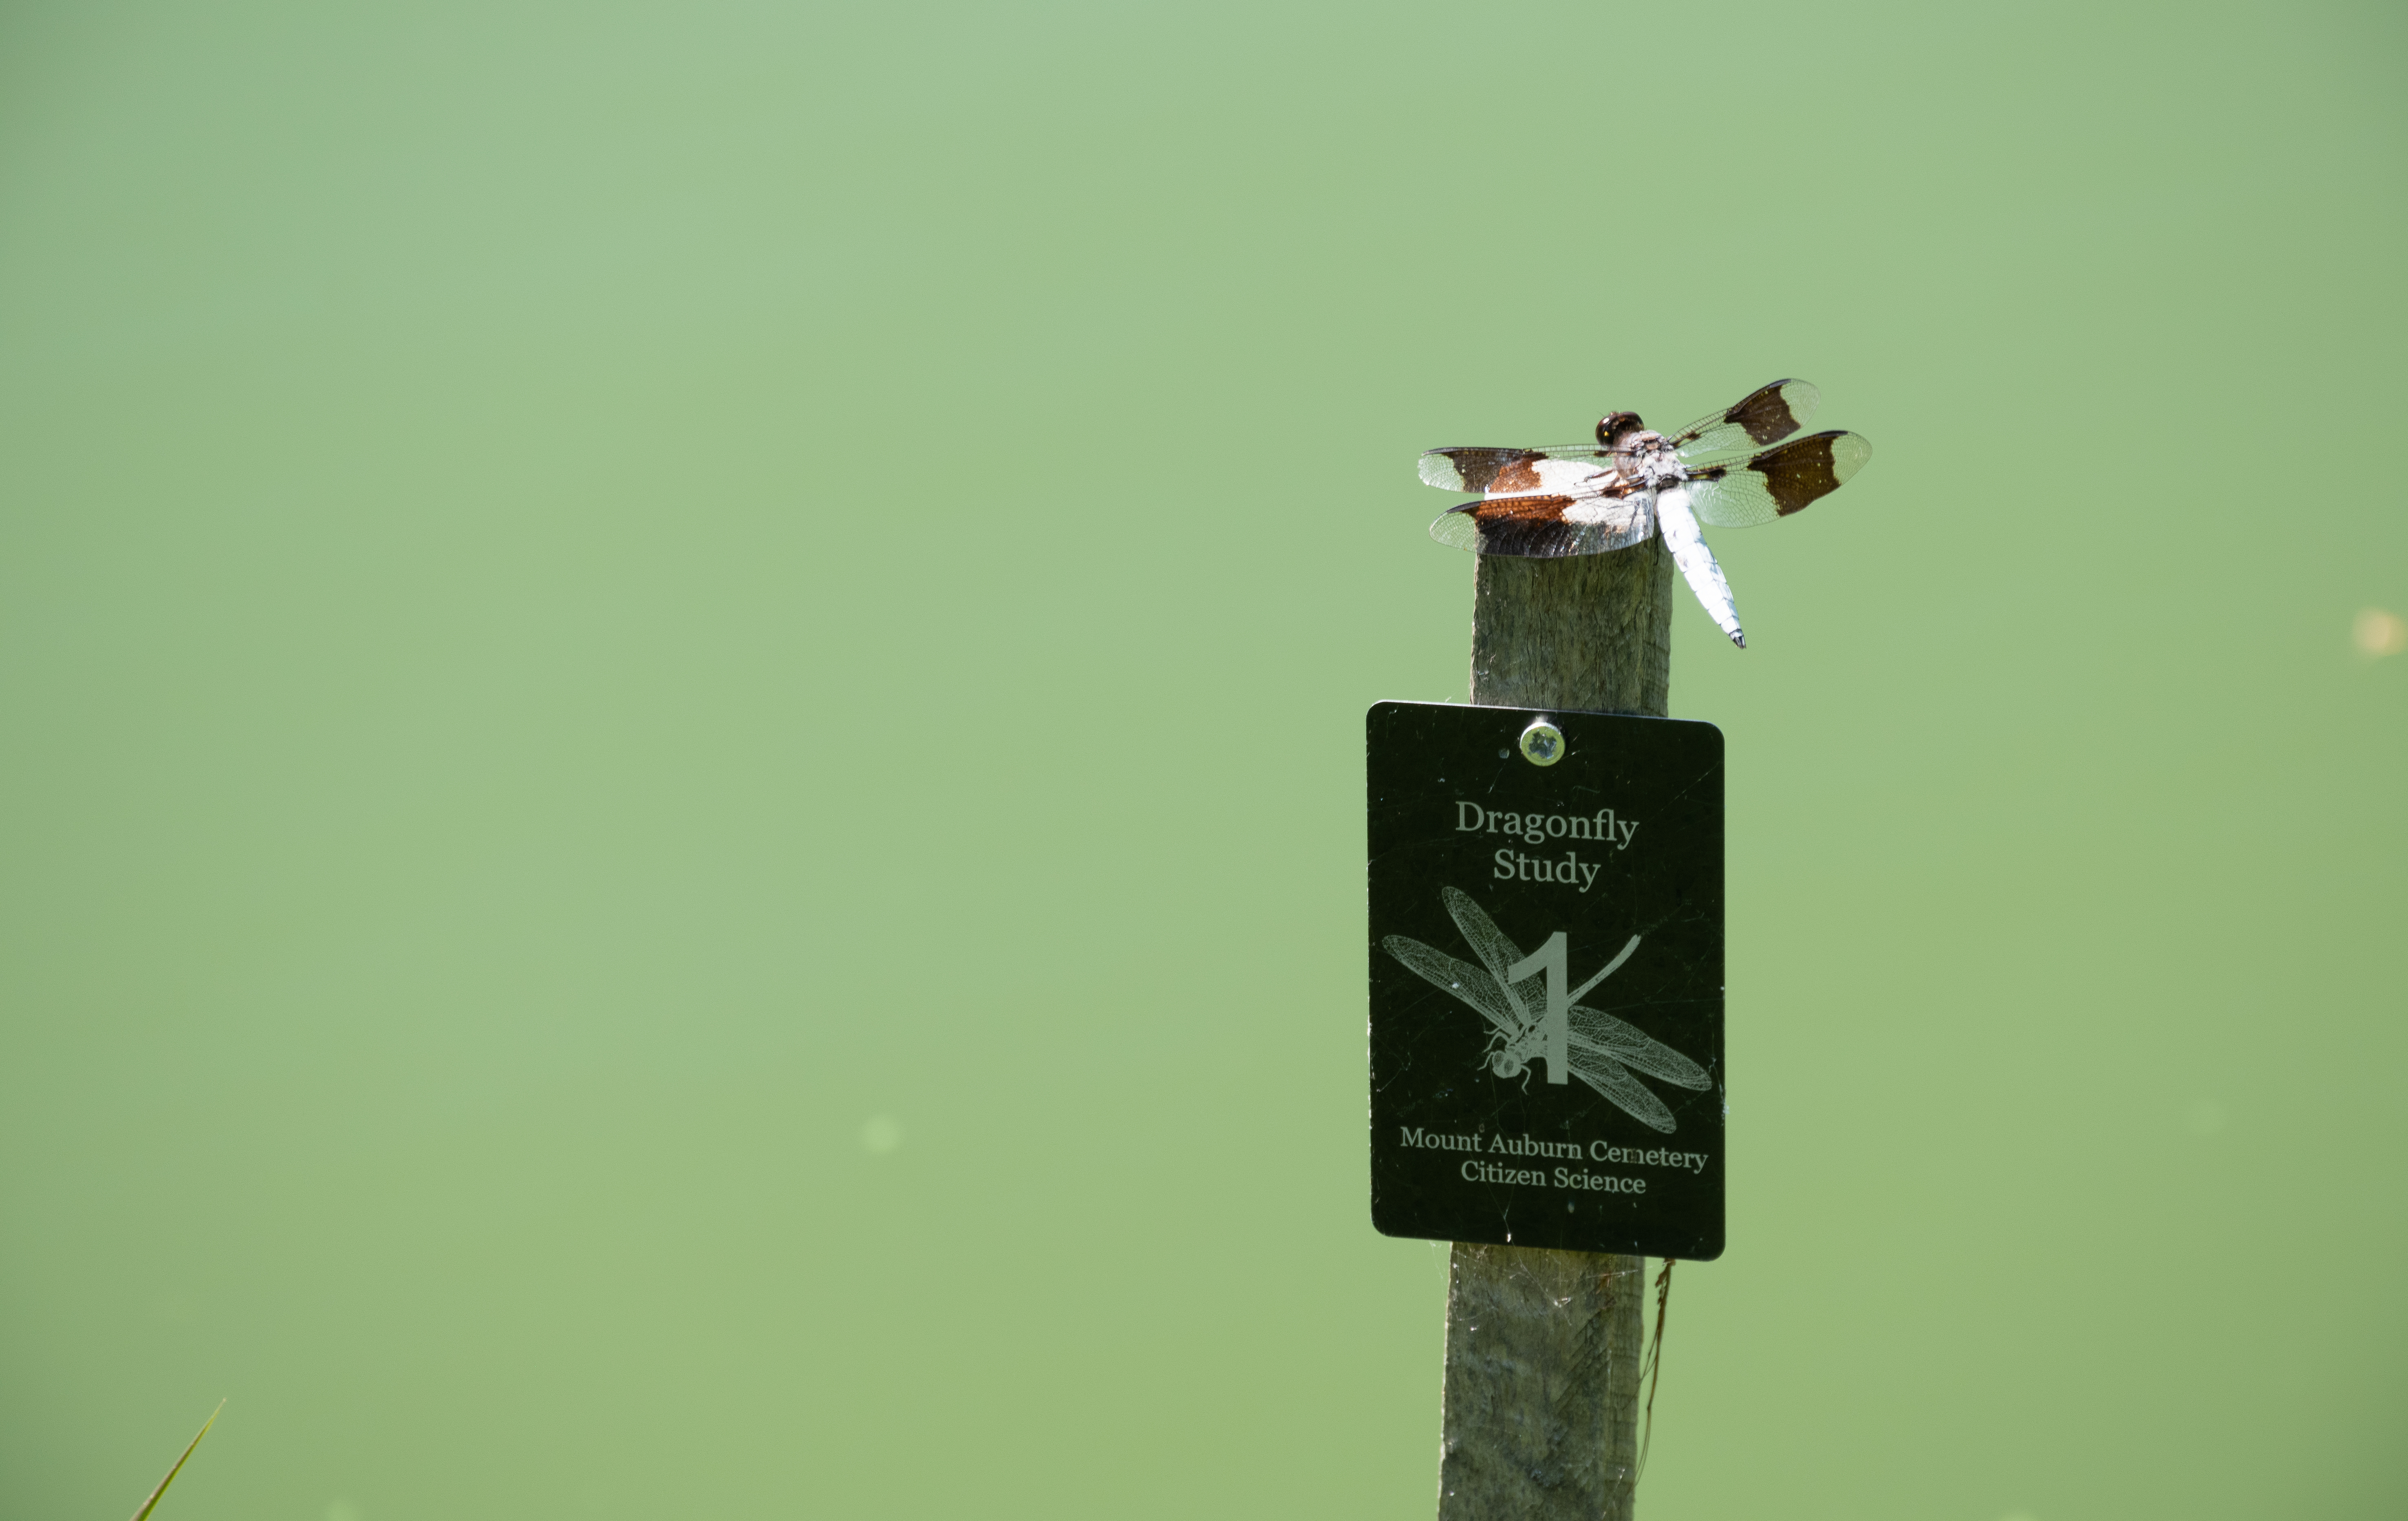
[(1633, 483), (1533, 1017)]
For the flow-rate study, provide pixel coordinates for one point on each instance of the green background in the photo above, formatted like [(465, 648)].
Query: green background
[(680, 691)]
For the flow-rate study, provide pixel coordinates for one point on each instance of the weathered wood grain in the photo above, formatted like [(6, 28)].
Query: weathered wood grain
[(1541, 1401), (1594, 631), (1542, 1412)]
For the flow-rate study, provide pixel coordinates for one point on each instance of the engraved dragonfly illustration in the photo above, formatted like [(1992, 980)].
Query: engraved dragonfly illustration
[(1536, 1017)]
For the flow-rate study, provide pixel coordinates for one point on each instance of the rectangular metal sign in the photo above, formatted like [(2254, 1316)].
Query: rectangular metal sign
[(1546, 951)]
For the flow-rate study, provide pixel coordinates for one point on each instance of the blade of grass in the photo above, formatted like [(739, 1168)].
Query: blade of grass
[(150, 1505)]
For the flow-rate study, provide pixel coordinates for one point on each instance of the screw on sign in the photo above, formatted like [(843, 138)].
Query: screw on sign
[(1508, 1089), (1543, 743)]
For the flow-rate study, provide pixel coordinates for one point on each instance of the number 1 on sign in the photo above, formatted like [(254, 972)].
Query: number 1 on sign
[(1555, 1025)]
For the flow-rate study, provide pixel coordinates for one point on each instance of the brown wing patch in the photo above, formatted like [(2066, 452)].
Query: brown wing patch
[(1521, 508), (1765, 414), (1517, 474), (1526, 526), (1535, 527), (1799, 473), (1480, 470)]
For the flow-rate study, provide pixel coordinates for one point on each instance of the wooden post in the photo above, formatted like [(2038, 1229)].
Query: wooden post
[(1541, 1421)]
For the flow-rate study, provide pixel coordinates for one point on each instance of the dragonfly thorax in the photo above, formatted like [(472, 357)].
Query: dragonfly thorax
[(1650, 461), (1640, 455), (1512, 1058)]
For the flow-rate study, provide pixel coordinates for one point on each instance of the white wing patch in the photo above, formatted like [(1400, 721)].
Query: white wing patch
[(1565, 476), (1620, 511)]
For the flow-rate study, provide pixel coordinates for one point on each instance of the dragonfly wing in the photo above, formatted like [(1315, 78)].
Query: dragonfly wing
[(1497, 953), (1765, 415), (1628, 1094), (1632, 1047), (1460, 978), (1550, 525), (1778, 482), (1478, 470)]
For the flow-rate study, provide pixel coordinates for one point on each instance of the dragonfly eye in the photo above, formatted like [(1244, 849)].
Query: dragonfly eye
[(1615, 427)]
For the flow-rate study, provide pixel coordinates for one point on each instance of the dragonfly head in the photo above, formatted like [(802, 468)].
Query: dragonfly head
[(1635, 450), (1505, 1063), (1614, 429)]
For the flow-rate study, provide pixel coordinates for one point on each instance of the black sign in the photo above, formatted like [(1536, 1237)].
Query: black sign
[(1546, 957)]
